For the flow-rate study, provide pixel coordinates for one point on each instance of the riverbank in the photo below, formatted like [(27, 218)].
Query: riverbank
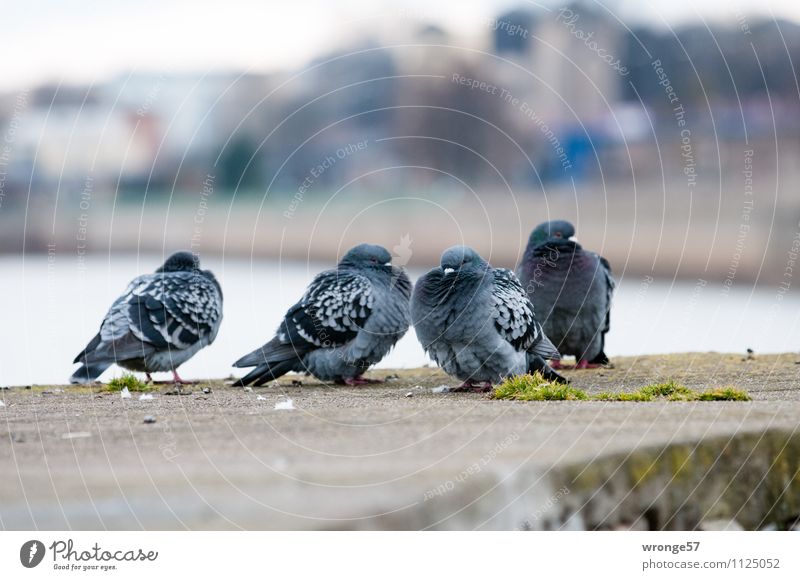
[(400, 456), (629, 228)]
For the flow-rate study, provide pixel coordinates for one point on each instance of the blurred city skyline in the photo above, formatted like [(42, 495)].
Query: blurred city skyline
[(553, 93), (76, 42)]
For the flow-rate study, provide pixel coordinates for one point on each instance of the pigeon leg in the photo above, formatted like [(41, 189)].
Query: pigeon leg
[(585, 364), (471, 387), (555, 364), (360, 380), (149, 378), (178, 380)]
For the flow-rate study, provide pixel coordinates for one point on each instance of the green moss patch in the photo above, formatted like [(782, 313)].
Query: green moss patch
[(671, 390), (536, 388), (127, 380), (724, 394), (674, 391)]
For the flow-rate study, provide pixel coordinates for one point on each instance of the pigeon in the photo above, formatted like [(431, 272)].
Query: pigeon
[(571, 288), (348, 319), (159, 322), (477, 323)]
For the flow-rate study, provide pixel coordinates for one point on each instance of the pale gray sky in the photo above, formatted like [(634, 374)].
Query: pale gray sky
[(86, 41)]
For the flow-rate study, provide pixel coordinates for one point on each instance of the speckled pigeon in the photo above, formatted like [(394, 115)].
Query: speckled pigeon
[(571, 289), (159, 322), (348, 320), (477, 323)]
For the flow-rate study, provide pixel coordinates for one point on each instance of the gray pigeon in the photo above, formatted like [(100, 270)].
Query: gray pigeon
[(477, 323), (571, 290), (348, 320), (159, 322)]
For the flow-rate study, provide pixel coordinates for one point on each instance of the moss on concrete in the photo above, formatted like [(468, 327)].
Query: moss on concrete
[(536, 388), (127, 381), (753, 478)]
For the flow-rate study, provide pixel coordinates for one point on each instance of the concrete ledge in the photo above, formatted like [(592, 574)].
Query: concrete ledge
[(375, 458)]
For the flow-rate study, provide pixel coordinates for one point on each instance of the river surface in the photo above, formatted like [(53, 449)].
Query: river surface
[(52, 306)]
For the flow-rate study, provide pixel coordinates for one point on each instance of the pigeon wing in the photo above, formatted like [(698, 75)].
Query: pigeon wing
[(512, 311), (115, 332), (159, 311), (332, 311), (175, 310), (611, 284), (514, 318)]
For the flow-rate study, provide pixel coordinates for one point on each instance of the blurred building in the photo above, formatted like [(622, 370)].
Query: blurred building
[(559, 94)]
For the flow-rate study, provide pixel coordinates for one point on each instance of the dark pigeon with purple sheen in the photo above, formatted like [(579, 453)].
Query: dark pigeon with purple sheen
[(571, 290)]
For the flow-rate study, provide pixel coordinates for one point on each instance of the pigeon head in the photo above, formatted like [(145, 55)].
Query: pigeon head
[(367, 256), (461, 259), (552, 229), (180, 262)]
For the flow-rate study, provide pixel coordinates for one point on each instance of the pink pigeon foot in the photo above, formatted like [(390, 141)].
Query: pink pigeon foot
[(179, 381), (585, 364), (471, 387), (555, 364), (360, 381), (176, 380)]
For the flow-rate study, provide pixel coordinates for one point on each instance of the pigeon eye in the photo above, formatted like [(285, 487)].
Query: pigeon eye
[(373, 260)]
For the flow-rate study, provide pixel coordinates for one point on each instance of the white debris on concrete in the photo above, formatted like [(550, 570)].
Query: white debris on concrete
[(76, 435)]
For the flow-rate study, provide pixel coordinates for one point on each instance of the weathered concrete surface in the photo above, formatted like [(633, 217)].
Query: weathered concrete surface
[(373, 458)]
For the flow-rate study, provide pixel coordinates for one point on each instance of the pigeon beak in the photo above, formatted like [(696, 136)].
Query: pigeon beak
[(449, 270), (389, 263), (573, 239)]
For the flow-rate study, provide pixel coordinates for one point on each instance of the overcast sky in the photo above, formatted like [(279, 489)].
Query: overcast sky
[(86, 41)]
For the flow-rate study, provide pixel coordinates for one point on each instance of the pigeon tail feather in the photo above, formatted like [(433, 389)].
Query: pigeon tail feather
[(272, 352), (537, 363), (88, 373), (264, 373), (600, 359), (93, 344), (546, 349)]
